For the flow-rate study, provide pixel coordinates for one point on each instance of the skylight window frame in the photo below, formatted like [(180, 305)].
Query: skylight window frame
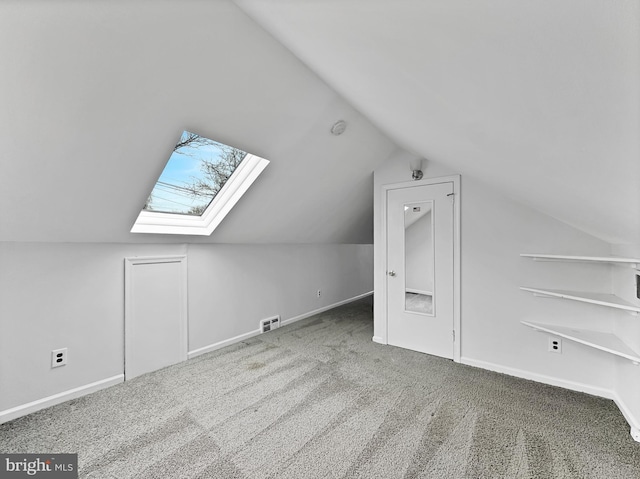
[(179, 224)]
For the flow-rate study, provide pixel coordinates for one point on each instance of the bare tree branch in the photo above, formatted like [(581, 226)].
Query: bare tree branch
[(192, 140), (215, 171)]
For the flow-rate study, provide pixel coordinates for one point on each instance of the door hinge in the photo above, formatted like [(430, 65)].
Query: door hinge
[(454, 335)]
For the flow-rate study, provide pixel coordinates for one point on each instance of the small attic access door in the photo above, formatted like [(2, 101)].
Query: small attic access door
[(155, 313)]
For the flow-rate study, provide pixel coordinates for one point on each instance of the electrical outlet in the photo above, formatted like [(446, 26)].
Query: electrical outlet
[(58, 357), (555, 345), (319, 293)]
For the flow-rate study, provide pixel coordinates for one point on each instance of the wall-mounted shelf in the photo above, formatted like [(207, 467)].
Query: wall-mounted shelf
[(632, 262), (601, 299), (607, 342)]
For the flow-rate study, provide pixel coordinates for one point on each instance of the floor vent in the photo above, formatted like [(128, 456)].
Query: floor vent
[(269, 324)]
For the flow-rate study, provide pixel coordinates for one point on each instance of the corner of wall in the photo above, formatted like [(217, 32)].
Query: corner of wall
[(627, 375)]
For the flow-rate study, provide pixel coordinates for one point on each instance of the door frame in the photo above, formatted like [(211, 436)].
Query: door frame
[(129, 318), (382, 297)]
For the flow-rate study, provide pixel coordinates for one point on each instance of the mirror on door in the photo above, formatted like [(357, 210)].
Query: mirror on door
[(419, 257)]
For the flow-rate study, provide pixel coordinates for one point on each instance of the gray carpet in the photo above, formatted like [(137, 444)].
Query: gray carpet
[(418, 303), (319, 399)]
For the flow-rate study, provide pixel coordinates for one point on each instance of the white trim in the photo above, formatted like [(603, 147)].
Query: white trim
[(382, 298), (418, 291), (633, 262), (325, 308), (379, 340), (130, 262), (28, 408), (601, 299), (156, 259), (230, 193), (222, 344), (457, 269), (628, 415), (540, 378)]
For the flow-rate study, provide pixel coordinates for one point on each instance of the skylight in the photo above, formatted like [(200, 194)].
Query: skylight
[(199, 185)]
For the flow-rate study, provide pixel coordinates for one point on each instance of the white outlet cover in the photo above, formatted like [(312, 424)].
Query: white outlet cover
[(59, 357), (555, 341)]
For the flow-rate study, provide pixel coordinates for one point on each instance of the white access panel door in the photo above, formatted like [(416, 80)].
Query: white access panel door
[(155, 313), (420, 268)]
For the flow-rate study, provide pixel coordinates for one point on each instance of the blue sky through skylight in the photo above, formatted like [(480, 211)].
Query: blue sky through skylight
[(195, 172)]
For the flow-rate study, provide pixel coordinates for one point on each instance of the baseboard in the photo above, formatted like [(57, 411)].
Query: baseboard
[(379, 340), (325, 308), (242, 337), (221, 344), (572, 385), (629, 416), (540, 378), (23, 410)]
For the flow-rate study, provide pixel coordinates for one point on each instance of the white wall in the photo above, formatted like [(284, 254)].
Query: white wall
[(55, 295), (62, 296), (233, 287), (495, 230)]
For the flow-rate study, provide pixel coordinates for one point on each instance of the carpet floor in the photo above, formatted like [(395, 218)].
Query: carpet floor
[(319, 399), (418, 303)]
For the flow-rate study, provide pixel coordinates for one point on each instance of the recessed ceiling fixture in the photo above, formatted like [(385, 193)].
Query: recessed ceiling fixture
[(338, 127)]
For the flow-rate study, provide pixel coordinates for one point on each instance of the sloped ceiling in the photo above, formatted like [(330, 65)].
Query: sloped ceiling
[(94, 95), (539, 99)]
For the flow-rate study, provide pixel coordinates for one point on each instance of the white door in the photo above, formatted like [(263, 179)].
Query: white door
[(155, 314), (420, 278)]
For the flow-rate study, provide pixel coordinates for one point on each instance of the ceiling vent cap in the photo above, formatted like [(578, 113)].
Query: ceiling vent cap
[(338, 127)]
